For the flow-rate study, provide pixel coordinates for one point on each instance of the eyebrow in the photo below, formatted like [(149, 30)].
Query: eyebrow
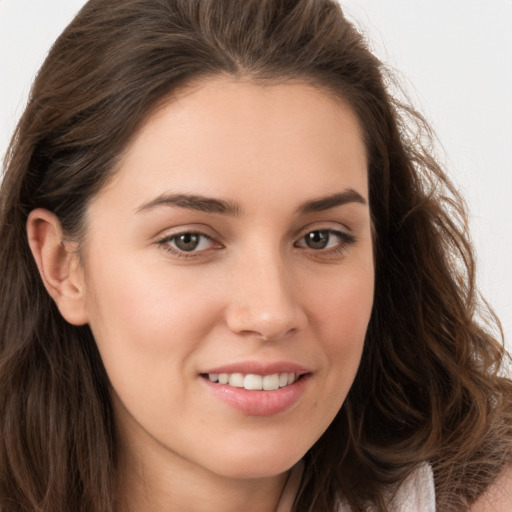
[(221, 206), (194, 202), (332, 201)]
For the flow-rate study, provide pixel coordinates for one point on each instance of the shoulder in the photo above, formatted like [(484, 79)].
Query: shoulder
[(498, 498)]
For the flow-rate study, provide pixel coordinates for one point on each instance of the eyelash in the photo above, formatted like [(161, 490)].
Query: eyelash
[(164, 243), (345, 240)]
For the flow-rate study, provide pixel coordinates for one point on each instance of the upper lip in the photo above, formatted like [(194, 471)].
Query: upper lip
[(260, 368)]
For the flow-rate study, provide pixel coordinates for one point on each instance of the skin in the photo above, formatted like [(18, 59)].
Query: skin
[(252, 290), (499, 496)]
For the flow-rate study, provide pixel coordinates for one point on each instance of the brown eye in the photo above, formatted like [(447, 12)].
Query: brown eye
[(317, 239), (187, 241), (325, 240)]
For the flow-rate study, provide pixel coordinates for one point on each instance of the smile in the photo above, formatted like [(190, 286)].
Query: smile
[(252, 381), (255, 394)]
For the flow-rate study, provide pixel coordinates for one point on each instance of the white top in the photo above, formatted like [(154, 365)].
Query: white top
[(416, 494)]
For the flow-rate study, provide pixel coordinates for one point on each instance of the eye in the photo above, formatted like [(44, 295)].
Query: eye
[(325, 240), (186, 243), (318, 239)]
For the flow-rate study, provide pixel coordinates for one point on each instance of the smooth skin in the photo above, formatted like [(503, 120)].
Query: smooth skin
[(257, 286), (236, 228)]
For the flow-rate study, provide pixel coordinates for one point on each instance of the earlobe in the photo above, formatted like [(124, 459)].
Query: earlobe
[(58, 265)]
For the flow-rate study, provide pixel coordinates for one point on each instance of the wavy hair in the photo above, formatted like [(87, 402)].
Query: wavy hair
[(430, 385)]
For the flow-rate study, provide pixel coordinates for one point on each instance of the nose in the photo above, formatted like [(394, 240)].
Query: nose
[(265, 300)]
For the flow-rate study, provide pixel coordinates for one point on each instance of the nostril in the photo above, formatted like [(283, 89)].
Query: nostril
[(277, 334), (267, 332)]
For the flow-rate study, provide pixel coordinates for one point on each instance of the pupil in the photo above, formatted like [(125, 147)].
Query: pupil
[(317, 239), (187, 241)]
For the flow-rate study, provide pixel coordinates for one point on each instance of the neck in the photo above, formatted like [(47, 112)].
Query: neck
[(157, 480), (169, 490)]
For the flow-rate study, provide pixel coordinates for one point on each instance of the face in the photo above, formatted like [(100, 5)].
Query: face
[(229, 276)]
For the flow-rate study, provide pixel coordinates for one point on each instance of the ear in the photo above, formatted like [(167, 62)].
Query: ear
[(58, 264)]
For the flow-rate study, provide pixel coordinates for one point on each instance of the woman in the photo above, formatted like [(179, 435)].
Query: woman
[(233, 282)]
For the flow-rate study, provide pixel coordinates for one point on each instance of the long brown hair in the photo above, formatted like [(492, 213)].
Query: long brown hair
[(429, 385)]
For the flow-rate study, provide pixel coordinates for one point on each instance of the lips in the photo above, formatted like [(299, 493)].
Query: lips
[(258, 389)]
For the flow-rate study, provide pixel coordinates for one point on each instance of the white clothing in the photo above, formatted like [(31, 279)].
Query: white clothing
[(416, 494)]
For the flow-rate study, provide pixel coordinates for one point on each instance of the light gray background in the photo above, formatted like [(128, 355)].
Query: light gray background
[(455, 59)]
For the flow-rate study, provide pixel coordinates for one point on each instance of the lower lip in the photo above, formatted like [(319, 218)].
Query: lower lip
[(259, 403)]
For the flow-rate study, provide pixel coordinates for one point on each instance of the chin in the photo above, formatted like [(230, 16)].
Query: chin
[(254, 465)]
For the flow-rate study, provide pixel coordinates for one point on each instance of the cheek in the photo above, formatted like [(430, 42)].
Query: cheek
[(343, 306), (341, 315), (339, 312), (148, 325), (140, 314)]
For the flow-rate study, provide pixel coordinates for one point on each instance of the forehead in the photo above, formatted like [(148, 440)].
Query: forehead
[(227, 137)]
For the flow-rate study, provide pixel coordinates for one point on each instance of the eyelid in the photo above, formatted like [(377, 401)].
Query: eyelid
[(199, 229), (333, 227), (345, 236), (164, 239)]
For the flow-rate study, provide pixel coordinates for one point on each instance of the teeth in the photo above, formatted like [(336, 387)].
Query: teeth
[(271, 382), (254, 382), (236, 380)]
